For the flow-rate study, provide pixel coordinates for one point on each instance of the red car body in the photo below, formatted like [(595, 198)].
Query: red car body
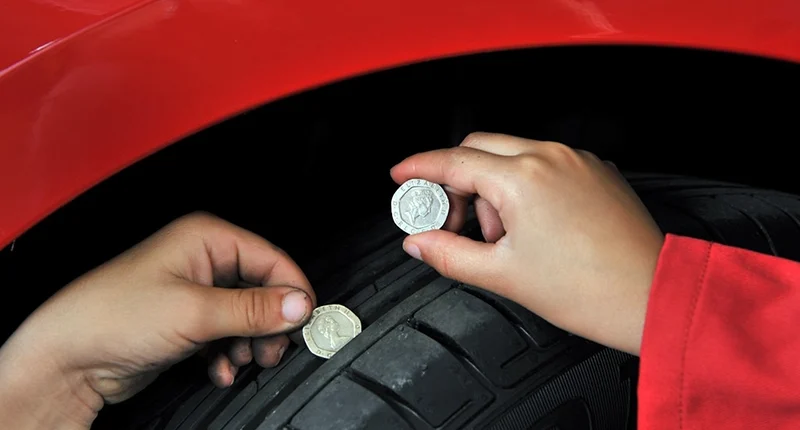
[(88, 87)]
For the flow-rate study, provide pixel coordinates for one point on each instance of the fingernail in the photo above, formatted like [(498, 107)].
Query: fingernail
[(295, 306), (281, 352), (412, 250), (483, 232), (234, 371)]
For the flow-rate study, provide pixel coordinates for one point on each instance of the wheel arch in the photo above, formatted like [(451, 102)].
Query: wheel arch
[(90, 104)]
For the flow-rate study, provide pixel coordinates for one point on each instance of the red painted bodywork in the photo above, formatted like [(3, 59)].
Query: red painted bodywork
[(88, 87)]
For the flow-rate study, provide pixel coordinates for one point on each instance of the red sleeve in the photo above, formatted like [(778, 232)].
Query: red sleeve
[(721, 344)]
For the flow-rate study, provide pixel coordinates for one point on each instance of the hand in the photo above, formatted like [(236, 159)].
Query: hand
[(108, 334), (566, 236)]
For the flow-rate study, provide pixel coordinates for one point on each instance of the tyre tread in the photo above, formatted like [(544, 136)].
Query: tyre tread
[(532, 372)]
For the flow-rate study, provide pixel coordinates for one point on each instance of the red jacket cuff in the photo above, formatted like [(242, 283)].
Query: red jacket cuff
[(673, 300)]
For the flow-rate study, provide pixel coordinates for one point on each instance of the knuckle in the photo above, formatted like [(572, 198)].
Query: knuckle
[(445, 264), (560, 153), (200, 217), (187, 226), (193, 221), (530, 169), (530, 165), (558, 149), (589, 155), (478, 138), (252, 308), (473, 139)]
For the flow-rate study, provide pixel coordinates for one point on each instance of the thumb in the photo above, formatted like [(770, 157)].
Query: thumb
[(456, 257), (252, 312)]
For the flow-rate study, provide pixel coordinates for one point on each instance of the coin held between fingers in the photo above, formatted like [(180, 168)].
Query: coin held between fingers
[(330, 328), (419, 206)]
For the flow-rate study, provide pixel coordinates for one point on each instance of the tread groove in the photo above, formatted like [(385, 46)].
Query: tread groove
[(762, 231), (454, 349), (518, 324), (794, 219), (400, 406)]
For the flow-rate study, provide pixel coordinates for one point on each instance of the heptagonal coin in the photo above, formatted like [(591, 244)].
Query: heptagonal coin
[(330, 328), (419, 206)]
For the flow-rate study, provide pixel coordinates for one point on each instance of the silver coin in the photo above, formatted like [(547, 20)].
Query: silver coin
[(419, 206), (330, 328)]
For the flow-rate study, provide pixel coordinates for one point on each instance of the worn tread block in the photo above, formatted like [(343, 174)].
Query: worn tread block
[(345, 405), (425, 375), (543, 334), (481, 332)]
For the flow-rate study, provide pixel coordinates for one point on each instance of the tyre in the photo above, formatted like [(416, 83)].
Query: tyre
[(435, 353)]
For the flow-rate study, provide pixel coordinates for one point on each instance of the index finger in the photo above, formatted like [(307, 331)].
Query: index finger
[(228, 254), (466, 170)]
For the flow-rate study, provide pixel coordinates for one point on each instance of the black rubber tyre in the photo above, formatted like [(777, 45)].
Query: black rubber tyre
[(438, 354)]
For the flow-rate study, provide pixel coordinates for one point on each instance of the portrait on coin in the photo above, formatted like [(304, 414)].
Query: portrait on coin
[(417, 206), (329, 329)]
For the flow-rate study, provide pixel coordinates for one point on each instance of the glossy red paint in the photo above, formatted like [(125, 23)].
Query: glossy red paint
[(118, 85), (28, 26)]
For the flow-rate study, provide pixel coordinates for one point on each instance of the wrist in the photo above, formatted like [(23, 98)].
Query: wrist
[(616, 317), (640, 296), (37, 393)]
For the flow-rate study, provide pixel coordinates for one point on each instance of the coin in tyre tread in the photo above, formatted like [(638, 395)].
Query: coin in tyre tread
[(566, 382)]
